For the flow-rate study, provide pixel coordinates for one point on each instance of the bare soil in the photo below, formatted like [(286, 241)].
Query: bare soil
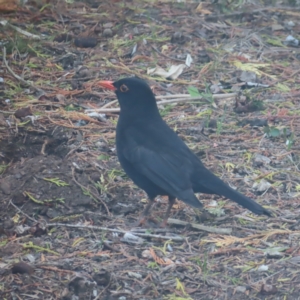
[(68, 212)]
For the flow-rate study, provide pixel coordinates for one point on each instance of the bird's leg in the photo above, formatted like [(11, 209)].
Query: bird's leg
[(146, 211), (171, 202)]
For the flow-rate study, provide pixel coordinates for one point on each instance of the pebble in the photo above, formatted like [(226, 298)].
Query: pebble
[(5, 187), (107, 32)]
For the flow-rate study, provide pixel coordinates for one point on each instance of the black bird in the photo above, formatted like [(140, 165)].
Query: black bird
[(156, 159)]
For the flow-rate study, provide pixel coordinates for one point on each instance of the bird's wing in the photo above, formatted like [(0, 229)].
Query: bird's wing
[(167, 168)]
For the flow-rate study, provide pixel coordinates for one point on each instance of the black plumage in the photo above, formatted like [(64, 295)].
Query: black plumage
[(156, 159)]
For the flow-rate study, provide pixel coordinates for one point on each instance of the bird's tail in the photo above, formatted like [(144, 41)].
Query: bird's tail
[(219, 187), (189, 198)]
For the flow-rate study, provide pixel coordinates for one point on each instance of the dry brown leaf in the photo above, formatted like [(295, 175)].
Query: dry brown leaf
[(202, 10), (160, 261), (8, 6)]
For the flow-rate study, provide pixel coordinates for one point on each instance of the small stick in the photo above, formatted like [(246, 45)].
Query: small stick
[(158, 236), (84, 188), (26, 33), (185, 99), (201, 227), (166, 56), (20, 211), (147, 235), (15, 75)]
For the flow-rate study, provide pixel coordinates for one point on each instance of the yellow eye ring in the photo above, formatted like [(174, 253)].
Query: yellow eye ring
[(123, 88)]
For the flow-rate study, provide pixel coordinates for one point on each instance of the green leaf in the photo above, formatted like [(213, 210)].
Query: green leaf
[(275, 42), (56, 181), (274, 132), (103, 157), (283, 88), (193, 91)]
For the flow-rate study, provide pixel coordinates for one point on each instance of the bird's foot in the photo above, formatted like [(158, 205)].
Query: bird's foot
[(141, 221), (164, 223), (144, 219), (205, 216)]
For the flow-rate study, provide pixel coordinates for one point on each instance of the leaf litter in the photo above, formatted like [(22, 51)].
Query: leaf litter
[(67, 208)]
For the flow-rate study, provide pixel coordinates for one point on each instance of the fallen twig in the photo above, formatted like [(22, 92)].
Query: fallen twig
[(201, 227), (26, 33), (7, 112), (185, 98), (146, 235), (85, 189), (176, 238), (166, 56), (20, 211), (17, 76)]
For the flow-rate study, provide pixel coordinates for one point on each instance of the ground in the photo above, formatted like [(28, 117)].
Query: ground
[(68, 212)]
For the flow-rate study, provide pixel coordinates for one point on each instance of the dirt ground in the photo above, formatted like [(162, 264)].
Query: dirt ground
[(68, 212)]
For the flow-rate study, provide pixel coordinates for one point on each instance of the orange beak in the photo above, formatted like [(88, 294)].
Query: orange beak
[(107, 84)]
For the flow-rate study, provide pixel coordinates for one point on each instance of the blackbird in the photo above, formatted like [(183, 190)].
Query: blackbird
[(156, 159)]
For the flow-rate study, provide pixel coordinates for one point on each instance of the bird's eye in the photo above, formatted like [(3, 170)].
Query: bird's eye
[(124, 88)]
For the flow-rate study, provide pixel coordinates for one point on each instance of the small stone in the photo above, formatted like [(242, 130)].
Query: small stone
[(262, 159), (107, 32), (178, 38), (268, 289), (262, 186), (22, 268), (100, 144), (60, 98), (262, 268), (85, 42), (103, 277), (132, 239), (289, 24), (275, 252), (135, 275), (241, 289), (215, 88), (95, 176), (23, 112), (108, 25), (248, 76), (8, 224), (2, 120), (5, 186), (51, 213), (291, 41), (18, 176), (136, 30), (277, 27), (212, 123)]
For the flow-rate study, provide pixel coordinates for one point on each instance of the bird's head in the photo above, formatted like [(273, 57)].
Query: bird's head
[(134, 95)]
